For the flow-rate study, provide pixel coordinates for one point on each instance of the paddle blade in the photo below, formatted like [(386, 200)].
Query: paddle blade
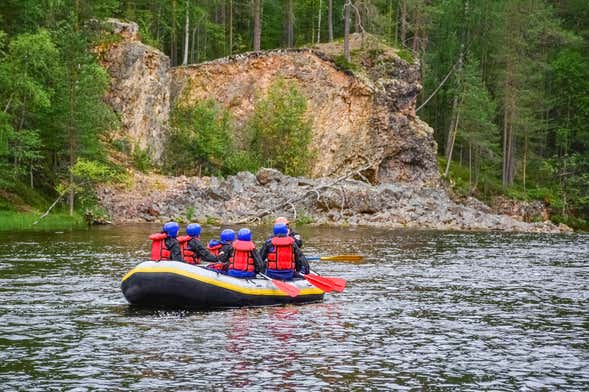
[(339, 284), (320, 283), (289, 289), (342, 258)]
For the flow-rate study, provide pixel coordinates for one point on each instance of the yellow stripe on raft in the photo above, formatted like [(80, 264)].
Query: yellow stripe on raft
[(215, 282)]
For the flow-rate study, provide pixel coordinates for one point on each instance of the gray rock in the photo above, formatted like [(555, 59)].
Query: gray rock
[(267, 175)]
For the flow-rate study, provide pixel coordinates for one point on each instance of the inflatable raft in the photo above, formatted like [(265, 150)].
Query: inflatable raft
[(174, 283)]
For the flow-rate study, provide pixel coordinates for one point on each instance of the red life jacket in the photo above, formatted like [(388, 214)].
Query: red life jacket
[(215, 249), (158, 247), (241, 258), (281, 257), (188, 255)]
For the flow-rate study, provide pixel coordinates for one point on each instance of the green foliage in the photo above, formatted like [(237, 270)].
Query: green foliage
[(281, 132), (85, 176), (190, 211), (342, 63), (122, 145), (10, 221), (141, 159), (200, 141), (406, 55), (303, 218)]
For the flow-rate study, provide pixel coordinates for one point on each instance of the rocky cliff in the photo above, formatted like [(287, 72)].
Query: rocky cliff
[(140, 87), (359, 118)]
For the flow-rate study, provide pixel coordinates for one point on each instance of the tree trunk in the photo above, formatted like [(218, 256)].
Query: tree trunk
[(347, 7), (525, 162), (403, 16), (288, 33), (330, 19), (453, 139), (186, 34), (469, 166), (357, 21), (319, 24), (458, 93), (257, 25), (173, 44), (397, 23), (230, 27), (192, 47)]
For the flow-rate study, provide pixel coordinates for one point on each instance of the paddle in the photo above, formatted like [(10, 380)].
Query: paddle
[(289, 289), (326, 284), (336, 258)]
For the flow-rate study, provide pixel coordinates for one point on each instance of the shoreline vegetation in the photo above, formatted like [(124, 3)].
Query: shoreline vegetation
[(23, 221)]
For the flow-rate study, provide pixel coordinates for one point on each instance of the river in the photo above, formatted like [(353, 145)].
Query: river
[(426, 310)]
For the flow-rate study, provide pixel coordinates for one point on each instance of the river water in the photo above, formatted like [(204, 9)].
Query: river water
[(425, 311)]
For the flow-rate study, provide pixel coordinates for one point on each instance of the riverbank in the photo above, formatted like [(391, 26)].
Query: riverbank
[(248, 198), (23, 221)]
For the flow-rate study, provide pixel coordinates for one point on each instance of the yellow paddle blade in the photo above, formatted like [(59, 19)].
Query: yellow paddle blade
[(342, 258)]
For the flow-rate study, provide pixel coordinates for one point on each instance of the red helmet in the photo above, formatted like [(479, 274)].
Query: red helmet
[(281, 219)]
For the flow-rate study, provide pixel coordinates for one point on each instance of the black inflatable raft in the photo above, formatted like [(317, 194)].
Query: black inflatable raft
[(179, 284)]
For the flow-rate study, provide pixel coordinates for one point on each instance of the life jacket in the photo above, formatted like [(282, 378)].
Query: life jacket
[(159, 251), (215, 248), (241, 258), (189, 256), (281, 256)]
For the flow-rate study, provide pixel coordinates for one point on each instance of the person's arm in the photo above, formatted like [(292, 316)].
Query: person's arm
[(203, 253), (264, 250), (301, 263), (225, 254), (258, 261)]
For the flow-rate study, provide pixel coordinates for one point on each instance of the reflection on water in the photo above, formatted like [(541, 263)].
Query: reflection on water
[(425, 310)]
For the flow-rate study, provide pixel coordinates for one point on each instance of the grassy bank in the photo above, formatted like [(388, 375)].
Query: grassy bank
[(11, 220)]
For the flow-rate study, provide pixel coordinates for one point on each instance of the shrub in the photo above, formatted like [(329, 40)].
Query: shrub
[(200, 140), (281, 134)]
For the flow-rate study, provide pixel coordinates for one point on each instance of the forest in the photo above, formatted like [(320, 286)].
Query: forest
[(506, 85)]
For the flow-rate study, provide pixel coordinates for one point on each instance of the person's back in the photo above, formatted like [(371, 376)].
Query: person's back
[(284, 257), (244, 260), (171, 243), (195, 251)]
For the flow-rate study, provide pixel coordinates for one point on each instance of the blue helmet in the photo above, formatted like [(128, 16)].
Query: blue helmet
[(171, 229), (227, 235), (244, 234), (280, 229), (214, 243), (193, 229)]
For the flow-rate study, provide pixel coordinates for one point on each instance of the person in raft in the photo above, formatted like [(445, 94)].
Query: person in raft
[(296, 236), (284, 257), (214, 246), (171, 243), (222, 249), (197, 250), (244, 260)]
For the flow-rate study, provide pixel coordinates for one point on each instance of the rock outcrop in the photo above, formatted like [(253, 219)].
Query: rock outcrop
[(366, 116), (140, 87)]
